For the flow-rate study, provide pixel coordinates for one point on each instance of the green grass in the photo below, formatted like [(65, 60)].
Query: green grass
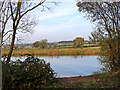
[(90, 45), (88, 48), (103, 81)]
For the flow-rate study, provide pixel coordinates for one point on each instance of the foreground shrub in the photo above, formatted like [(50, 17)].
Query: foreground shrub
[(30, 73)]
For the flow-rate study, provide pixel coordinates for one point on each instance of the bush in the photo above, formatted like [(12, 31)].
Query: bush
[(30, 73)]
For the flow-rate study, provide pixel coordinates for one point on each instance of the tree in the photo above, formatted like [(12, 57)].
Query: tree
[(44, 44), (4, 16), (78, 42), (106, 15), (17, 16), (41, 44), (36, 44)]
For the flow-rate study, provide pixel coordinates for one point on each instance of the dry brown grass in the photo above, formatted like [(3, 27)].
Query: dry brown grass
[(54, 52)]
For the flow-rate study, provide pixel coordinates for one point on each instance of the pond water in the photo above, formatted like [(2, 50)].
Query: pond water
[(70, 66)]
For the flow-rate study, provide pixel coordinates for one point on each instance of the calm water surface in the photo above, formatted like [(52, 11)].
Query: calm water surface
[(69, 66)]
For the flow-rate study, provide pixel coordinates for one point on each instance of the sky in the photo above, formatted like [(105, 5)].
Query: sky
[(64, 22)]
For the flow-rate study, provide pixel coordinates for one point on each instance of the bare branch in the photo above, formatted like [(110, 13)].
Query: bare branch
[(8, 37), (7, 32), (33, 7)]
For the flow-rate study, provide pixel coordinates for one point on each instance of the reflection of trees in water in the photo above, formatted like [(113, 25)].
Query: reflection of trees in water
[(81, 56)]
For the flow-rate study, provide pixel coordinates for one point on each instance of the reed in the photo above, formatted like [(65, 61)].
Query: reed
[(54, 52)]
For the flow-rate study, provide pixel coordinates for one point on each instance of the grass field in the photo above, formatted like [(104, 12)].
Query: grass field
[(55, 52)]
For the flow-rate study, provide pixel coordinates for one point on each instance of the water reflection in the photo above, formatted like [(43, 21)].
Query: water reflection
[(69, 66)]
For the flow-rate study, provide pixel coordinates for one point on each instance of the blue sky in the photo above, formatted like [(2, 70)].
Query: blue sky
[(65, 22)]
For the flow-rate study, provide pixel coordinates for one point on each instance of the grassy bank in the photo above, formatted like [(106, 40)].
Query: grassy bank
[(105, 80), (55, 52)]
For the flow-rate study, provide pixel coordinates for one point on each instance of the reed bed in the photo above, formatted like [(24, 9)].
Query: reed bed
[(54, 52)]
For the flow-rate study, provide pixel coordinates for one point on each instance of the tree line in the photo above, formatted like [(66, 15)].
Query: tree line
[(77, 43)]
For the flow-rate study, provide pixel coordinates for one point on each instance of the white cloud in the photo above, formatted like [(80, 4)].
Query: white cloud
[(47, 29), (64, 18), (74, 19), (66, 7)]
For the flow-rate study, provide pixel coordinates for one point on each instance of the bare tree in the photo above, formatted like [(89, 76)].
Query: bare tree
[(18, 16), (4, 17)]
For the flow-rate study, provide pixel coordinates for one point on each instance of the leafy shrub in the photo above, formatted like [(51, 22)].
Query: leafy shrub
[(30, 73)]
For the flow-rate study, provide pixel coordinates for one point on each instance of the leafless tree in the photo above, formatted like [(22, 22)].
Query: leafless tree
[(17, 14)]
